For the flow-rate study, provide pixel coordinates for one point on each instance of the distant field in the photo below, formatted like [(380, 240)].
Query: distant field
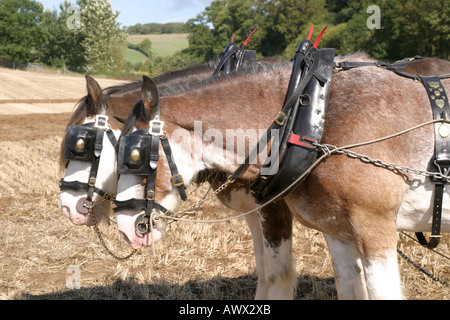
[(163, 45), (135, 56)]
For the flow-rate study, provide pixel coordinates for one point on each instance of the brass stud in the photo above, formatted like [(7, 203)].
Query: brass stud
[(80, 144), (135, 155), (444, 131)]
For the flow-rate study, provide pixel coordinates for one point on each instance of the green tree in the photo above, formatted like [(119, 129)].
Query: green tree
[(103, 40), (227, 17), (287, 22), (19, 29), (408, 28), (62, 44)]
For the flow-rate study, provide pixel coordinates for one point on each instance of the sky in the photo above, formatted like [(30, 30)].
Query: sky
[(147, 11)]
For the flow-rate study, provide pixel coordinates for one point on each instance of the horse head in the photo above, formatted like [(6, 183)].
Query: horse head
[(88, 158), (142, 151)]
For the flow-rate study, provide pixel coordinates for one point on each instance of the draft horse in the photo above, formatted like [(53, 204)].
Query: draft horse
[(358, 206)]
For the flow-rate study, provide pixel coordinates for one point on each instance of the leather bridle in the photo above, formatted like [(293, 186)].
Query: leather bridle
[(139, 155)]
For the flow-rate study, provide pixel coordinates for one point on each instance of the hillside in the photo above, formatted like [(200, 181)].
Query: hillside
[(163, 45)]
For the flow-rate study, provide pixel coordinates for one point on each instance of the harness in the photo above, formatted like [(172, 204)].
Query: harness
[(234, 58), (441, 158), (301, 121), (85, 143), (440, 162), (300, 125), (139, 151), (139, 155)]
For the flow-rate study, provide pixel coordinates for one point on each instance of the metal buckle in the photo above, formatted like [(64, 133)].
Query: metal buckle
[(168, 213), (178, 178), (151, 195), (101, 121), (156, 128), (92, 182), (281, 119), (109, 197)]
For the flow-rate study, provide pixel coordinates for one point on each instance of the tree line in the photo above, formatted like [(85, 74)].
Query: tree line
[(406, 27), (83, 37), (157, 28), (86, 36)]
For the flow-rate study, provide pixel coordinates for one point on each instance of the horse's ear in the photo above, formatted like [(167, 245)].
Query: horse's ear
[(94, 94), (149, 93)]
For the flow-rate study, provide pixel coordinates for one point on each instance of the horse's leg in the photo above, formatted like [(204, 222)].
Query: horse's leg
[(376, 243), (382, 277), (348, 269), (279, 272), (242, 201), (258, 245)]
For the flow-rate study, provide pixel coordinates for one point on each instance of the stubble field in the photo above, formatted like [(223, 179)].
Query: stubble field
[(44, 256)]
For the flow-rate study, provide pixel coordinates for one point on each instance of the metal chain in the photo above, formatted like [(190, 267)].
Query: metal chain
[(194, 207), (99, 234), (415, 265), (328, 149), (434, 278)]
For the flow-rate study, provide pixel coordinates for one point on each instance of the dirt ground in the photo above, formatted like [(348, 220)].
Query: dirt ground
[(44, 256)]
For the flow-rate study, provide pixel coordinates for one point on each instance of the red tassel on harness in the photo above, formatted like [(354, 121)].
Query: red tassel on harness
[(316, 44), (250, 36), (311, 30)]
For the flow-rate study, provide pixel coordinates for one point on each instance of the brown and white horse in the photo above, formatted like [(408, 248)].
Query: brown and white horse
[(119, 101), (359, 207)]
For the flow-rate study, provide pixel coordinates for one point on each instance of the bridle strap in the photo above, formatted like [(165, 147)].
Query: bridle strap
[(98, 147), (80, 186), (177, 179)]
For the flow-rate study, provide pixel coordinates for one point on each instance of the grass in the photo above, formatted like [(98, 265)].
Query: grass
[(134, 56), (163, 45)]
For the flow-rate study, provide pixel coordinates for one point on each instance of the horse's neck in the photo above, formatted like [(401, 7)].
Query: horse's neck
[(226, 119)]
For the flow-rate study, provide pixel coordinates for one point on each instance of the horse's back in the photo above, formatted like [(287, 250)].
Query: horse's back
[(366, 104)]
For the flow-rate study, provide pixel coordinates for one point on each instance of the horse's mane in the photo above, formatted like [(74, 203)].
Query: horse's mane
[(139, 112)]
